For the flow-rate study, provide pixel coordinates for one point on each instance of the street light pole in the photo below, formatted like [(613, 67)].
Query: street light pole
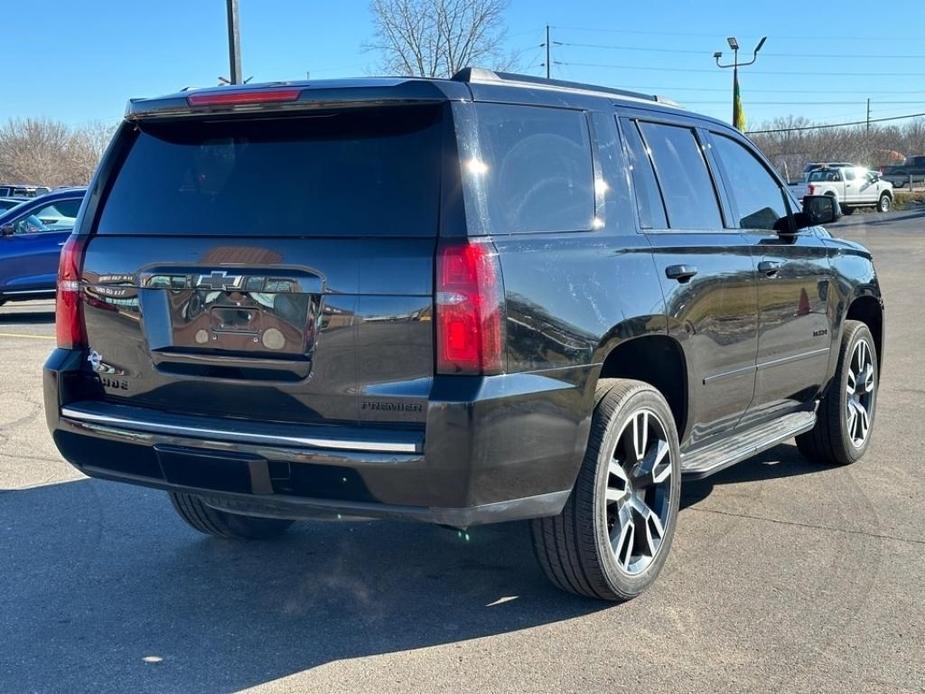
[(234, 42), (735, 87), (735, 65)]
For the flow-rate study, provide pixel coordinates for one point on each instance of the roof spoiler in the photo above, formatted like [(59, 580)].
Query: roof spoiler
[(288, 96)]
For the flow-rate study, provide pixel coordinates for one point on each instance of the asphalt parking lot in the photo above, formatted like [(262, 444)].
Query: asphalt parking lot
[(784, 576)]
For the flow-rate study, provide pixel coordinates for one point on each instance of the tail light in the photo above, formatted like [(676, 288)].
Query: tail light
[(810, 188), (69, 319), (469, 300)]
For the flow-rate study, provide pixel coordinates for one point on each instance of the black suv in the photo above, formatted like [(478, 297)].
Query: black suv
[(457, 301)]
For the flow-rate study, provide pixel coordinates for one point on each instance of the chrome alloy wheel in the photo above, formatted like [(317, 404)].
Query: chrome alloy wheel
[(638, 491), (861, 392)]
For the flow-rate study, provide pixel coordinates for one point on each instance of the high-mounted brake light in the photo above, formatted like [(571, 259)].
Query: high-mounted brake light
[(243, 96), (469, 300), (69, 320)]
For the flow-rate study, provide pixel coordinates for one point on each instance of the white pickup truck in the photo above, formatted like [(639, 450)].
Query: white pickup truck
[(851, 186)]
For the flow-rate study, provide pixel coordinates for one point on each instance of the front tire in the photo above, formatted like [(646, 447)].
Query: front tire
[(202, 517), (845, 417), (614, 534), (885, 203)]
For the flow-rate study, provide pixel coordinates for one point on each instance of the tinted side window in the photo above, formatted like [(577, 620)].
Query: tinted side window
[(535, 169), (758, 198), (69, 207), (684, 178), (648, 197), (614, 185)]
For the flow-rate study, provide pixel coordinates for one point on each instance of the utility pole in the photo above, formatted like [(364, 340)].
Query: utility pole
[(548, 62), (234, 42), (867, 135), (735, 65)]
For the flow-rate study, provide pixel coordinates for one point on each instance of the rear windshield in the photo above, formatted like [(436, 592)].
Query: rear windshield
[(363, 172), (824, 176)]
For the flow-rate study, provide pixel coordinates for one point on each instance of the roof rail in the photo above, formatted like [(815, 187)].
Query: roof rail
[(478, 74)]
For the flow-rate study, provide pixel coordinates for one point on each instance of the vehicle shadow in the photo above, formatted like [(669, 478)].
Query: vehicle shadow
[(31, 318), (784, 460), (100, 576)]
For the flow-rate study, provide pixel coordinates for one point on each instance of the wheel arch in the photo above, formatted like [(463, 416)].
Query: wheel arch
[(657, 360), (868, 310)]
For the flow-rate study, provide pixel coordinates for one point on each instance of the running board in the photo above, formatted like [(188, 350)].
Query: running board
[(720, 455)]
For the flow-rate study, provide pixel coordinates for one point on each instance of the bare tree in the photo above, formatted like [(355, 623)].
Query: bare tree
[(790, 148), (47, 152), (436, 38)]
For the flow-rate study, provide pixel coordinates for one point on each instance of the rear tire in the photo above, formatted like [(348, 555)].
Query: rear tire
[(845, 210), (885, 203), (199, 516), (614, 534), (845, 418)]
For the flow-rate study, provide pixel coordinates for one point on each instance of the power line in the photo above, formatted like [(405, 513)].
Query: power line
[(605, 46), (754, 72), (778, 91), (835, 125), (812, 37), (809, 103)]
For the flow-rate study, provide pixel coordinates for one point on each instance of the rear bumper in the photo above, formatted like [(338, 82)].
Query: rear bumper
[(494, 449)]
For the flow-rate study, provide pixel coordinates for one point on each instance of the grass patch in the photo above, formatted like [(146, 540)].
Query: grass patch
[(903, 200)]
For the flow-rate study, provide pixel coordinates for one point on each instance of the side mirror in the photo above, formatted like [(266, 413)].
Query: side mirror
[(817, 209), (7, 230)]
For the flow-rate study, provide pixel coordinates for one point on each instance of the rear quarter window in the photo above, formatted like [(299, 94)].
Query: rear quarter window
[(363, 172), (534, 170)]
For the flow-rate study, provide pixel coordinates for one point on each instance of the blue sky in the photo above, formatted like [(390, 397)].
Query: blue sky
[(78, 61)]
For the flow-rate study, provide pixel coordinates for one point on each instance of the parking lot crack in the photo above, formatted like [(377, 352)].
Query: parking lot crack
[(811, 526)]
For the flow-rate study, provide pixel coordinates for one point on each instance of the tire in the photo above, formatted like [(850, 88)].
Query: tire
[(839, 437), (885, 203), (575, 548), (198, 515), (845, 210)]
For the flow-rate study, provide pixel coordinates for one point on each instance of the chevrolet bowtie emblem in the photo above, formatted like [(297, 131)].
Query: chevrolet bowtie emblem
[(219, 279)]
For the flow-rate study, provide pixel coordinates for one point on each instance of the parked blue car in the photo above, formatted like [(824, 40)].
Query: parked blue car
[(31, 236), (10, 203)]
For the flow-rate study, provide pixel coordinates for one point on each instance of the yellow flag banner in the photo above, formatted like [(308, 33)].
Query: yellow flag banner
[(740, 112)]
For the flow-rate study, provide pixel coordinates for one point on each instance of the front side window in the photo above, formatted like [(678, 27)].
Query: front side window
[(67, 207), (29, 224), (687, 188), (758, 198), (534, 169), (59, 216)]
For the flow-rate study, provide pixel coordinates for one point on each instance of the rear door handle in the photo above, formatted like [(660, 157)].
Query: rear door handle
[(681, 273), (769, 267)]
